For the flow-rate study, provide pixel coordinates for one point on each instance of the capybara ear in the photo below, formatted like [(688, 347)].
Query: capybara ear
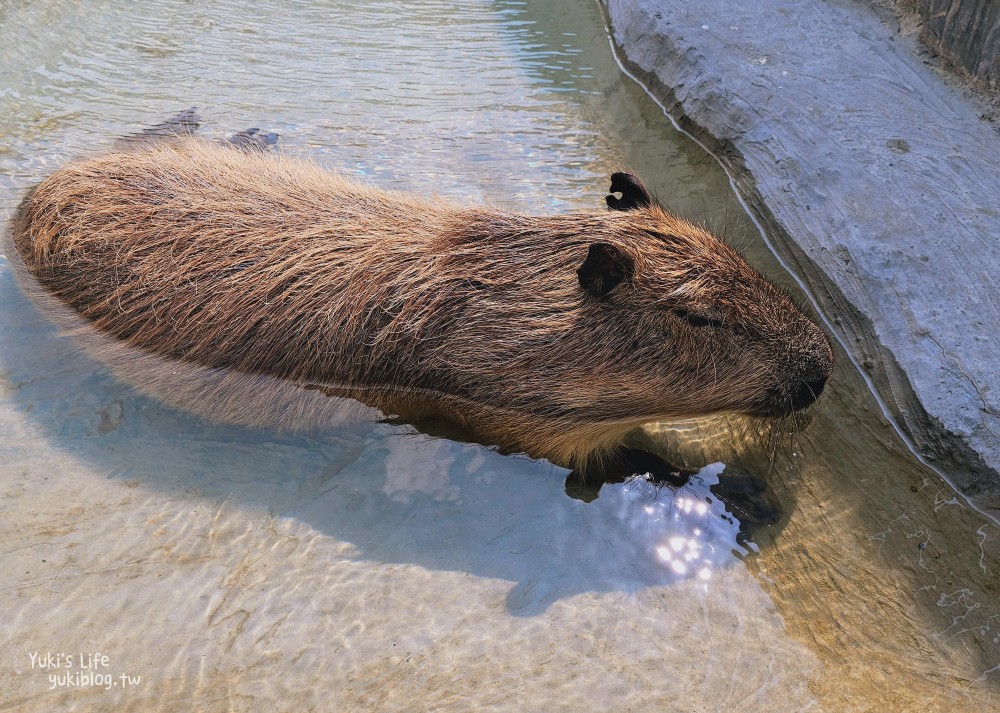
[(634, 194), (605, 268)]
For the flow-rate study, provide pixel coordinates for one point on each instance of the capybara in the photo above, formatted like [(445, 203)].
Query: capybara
[(552, 335)]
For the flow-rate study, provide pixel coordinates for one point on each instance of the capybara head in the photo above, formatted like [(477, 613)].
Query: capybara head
[(663, 319), (715, 328)]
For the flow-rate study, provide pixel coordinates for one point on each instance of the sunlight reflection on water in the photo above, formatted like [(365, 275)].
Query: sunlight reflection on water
[(688, 530)]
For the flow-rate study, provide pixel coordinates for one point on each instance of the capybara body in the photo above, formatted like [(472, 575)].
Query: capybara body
[(552, 335)]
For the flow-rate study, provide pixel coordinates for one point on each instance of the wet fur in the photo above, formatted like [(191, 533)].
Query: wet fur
[(514, 326)]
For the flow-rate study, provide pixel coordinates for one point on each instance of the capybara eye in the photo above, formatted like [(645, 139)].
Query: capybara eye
[(697, 320)]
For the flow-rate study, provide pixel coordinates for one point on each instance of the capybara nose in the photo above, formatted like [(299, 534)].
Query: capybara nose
[(814, 369), (807, 392)]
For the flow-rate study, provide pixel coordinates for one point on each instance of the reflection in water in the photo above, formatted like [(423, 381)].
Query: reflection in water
[(636, 534), (749, 441), (689, 529)]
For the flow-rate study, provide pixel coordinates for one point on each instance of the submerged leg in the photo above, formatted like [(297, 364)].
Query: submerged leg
[(749, 498), (746, 496)]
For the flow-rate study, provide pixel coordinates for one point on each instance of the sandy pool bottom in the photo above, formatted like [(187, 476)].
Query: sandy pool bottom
[(253, 577)]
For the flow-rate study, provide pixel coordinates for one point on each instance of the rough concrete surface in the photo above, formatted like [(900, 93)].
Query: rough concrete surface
[(876, 180)]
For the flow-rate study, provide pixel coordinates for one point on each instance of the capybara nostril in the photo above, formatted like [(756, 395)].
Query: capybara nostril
[(807, 392)]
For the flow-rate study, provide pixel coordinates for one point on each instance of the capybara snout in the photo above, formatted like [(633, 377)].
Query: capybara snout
[(803, 379)]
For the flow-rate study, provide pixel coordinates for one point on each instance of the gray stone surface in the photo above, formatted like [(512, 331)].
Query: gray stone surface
[(876, 180)]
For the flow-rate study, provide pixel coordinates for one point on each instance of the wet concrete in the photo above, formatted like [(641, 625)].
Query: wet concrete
[(876, 180)]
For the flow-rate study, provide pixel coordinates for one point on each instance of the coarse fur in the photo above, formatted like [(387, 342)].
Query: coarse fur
[(552, 335)]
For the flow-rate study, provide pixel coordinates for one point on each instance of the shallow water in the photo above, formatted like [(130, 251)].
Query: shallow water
[(376, 567)]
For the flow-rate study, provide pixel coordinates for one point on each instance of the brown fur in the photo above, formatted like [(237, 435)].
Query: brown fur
[(419, 307)]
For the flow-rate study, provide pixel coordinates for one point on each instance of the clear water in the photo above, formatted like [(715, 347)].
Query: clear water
[(373, 567)]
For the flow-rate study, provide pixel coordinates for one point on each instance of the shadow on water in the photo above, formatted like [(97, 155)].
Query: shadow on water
[(396, 494)]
